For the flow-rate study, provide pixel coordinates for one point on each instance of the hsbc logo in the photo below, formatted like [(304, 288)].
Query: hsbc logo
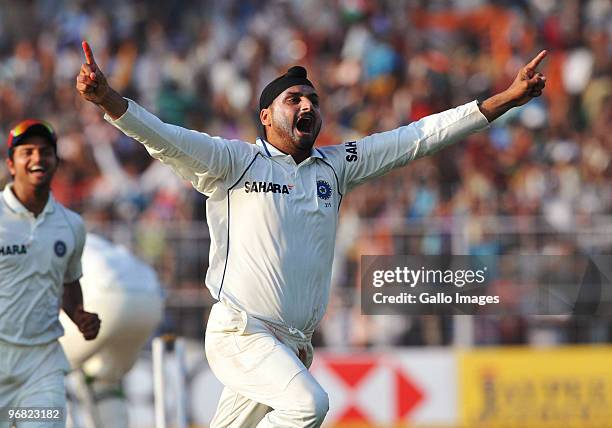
[(370, 389), (267, 187)]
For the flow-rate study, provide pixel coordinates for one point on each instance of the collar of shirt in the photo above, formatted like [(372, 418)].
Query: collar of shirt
[(14, 204), (272, 151)]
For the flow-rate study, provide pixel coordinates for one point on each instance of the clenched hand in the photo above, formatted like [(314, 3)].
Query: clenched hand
[(87, 322)]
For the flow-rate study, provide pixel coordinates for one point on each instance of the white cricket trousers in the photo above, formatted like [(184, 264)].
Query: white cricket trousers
[(266, 384), (33, 376)]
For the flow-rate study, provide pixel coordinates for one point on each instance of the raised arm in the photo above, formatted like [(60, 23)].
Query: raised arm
[(195, 156), (377, 154)]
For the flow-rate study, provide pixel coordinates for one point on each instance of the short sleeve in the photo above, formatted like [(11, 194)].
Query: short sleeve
[(74, 269)]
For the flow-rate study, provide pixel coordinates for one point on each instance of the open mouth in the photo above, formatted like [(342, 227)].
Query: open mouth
[(37, 170), (305, 124)]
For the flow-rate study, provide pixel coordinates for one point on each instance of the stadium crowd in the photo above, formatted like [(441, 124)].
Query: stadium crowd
[(530, 184)]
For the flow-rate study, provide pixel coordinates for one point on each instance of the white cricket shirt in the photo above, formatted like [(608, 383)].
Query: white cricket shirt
[(273, 223), (37, 256)]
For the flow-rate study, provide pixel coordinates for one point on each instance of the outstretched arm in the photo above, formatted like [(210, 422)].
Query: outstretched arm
[(203, 160), (529, 83), (377, 154)]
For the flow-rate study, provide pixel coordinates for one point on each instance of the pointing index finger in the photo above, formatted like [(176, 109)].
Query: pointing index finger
[(89, 58), (536, 61)]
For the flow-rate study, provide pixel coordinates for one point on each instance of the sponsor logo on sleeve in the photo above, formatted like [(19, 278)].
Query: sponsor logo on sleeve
[(351, 151)]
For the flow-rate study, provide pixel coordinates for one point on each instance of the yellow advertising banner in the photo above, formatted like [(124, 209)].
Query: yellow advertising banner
[(531, 388)]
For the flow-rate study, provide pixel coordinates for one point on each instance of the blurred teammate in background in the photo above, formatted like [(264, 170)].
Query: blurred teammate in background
[(41, 243), (272, 213), (126, 293)]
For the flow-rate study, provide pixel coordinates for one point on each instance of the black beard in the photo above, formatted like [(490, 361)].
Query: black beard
[(288, 131), (303, 142)]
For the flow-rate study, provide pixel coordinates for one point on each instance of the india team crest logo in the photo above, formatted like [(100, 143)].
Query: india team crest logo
[(324, 190), (60, 248)]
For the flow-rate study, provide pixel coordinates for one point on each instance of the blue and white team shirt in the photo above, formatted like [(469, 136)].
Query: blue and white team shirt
[(38, 255), (273, 222)]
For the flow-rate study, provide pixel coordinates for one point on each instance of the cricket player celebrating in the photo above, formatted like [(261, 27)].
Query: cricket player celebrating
[(272, 211), (40, 265)]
